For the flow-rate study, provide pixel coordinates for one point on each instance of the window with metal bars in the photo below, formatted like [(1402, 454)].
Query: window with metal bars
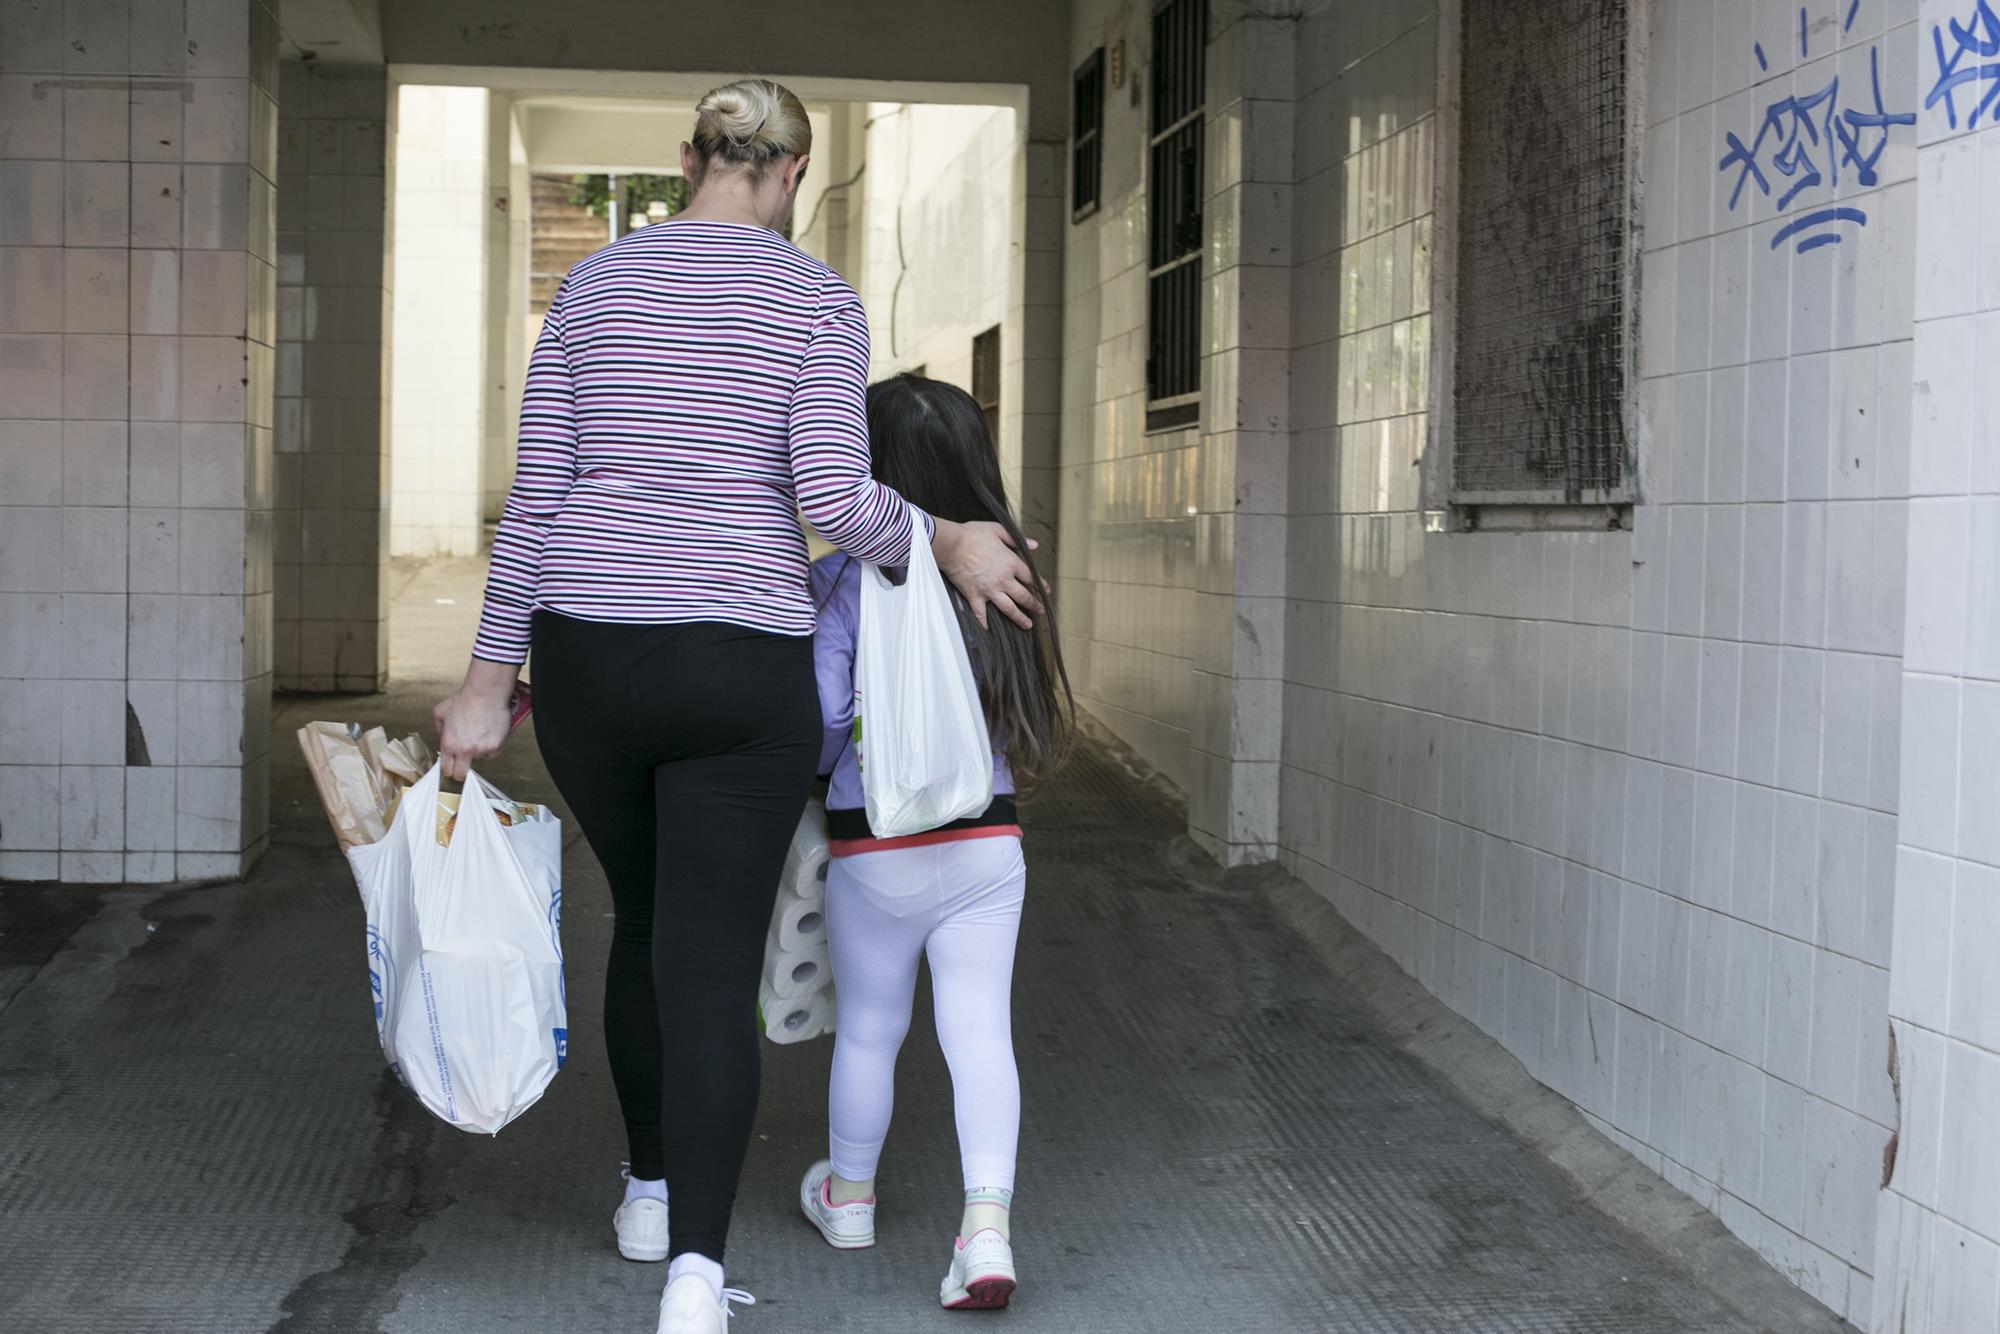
[(986, 380), (1542, 336), (1174, 188), (1086, 149)]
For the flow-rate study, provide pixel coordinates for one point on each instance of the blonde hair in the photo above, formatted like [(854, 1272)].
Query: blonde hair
[(752, 123)]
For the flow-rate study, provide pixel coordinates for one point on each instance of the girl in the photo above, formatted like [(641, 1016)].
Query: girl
[(955, 893)]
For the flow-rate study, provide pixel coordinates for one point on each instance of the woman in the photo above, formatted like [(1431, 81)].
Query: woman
[(696, 385)]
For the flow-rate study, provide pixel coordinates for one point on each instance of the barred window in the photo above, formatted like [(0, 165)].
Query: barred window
[(1174, 213), (1086, 151), (1541, 362)]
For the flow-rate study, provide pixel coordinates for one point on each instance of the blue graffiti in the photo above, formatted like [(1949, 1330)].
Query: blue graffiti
[(1970, 60), (1806, 140)]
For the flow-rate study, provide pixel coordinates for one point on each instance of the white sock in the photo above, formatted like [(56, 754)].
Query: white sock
[(635, 1189), (986, 1207), (691, 1263)]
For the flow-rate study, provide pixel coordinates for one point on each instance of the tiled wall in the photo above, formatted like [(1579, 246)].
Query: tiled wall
[(1938, 1248), (1628, 801), (1128, 562), (438, 323), (137, 333), (1242, 478), (330, 477)]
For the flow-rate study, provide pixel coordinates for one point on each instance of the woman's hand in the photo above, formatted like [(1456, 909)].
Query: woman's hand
[(980, 561), (473, 724)]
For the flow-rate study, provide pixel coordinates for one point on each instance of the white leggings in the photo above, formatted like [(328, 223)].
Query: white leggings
[(960, 902)]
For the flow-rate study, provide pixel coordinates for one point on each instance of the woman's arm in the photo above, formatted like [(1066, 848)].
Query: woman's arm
[(829, 440), (544, 472), (474, 723), (839, 495)]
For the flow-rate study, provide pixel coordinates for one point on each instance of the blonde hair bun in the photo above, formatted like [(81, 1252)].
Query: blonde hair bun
[(751, 122)]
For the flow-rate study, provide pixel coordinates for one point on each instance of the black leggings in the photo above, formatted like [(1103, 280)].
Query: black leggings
[(686, 753)]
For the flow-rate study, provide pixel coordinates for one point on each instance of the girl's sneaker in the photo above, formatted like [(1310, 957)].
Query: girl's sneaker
[(846, 1227), (982, 1274)]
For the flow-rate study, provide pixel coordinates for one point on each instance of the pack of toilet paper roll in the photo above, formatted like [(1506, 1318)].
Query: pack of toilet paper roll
[(795, 996)]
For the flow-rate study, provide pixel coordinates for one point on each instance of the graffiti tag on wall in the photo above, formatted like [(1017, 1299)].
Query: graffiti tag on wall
[(1804, 143), (1965, 55)]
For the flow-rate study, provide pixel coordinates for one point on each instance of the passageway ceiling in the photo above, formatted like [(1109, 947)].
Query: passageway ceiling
[(920, 42)]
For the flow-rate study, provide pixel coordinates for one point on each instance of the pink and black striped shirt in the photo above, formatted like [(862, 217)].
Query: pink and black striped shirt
[(695, 387)]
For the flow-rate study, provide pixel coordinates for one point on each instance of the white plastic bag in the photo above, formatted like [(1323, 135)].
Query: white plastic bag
[(919, 732), (465, 952)]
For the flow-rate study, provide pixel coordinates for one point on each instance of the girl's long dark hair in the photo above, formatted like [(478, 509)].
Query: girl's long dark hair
[(930, 444)]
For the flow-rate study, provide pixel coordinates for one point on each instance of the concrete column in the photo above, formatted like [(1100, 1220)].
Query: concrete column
[(439, 231), (1243, 458), (497, 452), (521, 326), (1937, 1235), (137, 332), (1031, 392), (330, 478)]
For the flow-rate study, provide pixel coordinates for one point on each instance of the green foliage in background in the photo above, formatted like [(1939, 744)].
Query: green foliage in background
[(594, 193)]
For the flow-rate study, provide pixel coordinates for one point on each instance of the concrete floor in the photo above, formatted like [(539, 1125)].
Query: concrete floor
[(196, 1132)]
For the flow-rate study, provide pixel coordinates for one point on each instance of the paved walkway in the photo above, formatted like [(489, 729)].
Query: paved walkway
[(196, 1133)]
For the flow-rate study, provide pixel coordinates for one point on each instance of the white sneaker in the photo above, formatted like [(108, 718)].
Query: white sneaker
[(642, 1229), (641, 1226), (690, 1306), (846, 1227), (982, 1273)]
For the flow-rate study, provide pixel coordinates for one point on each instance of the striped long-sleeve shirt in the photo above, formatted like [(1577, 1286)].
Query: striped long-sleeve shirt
[(696, 385)]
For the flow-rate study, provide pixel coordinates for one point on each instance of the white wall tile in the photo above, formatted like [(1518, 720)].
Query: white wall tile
[(1931, 744), (1935, 629), (93, 808), (1979, 772), (1966, 1294), (1970, 1187), (94, 463)]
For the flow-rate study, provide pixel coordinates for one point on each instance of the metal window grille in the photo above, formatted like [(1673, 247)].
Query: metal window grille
[(1086, 153), (1544, 222), (1174, 214), (986, 380)]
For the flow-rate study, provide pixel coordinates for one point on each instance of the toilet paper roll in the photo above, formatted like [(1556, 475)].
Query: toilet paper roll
[(797, 973), (798, 924), (804, 875), (801, 1019)]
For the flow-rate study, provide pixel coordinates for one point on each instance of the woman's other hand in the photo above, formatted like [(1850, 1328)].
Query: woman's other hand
[(473, 724), (980, 561)]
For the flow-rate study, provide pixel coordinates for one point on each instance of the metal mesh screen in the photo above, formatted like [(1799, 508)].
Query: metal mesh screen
[(1540, 371)]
